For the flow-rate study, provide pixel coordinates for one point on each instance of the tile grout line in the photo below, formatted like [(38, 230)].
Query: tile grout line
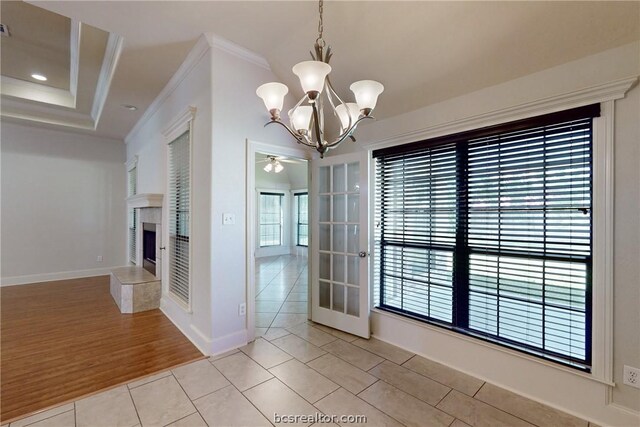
[(247, 399), (191, 401), (420, 375), (367, 388), (186, 416), (434, 380), (133, 402), (478, 390), (411, 394), (46, 418), (286, 296), (443, 397), (517, 416)]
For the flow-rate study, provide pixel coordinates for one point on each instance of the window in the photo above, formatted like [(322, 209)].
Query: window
[(488, 233), (301, 201), (132, 183), (179, 216), (271, 218)]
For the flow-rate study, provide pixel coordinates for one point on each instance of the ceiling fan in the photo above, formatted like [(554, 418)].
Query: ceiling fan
[(273, 163)]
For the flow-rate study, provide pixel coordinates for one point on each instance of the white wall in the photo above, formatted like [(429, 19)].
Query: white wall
[(221, 85), (566, 390), (238, 115), (191, 87), (63, 204)]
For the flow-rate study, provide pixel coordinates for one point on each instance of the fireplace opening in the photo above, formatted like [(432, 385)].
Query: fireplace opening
[(149, 247)]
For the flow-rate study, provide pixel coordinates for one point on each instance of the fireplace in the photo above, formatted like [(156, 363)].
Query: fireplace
[(149, 247)]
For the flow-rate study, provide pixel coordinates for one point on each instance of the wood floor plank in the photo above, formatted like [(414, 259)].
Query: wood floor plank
[(66, 339)]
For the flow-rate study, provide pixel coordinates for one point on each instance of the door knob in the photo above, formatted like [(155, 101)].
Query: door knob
[(362, 254)]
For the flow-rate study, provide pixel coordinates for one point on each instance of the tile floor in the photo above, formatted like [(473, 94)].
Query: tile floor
[(298, 367), (281, 293), (306, 369)]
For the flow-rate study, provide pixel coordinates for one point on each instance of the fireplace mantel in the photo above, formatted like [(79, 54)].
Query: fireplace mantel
[(146, 200)]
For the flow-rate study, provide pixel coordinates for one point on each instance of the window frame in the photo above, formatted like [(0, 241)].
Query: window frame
[(132, 214), (597, 361), (296, 203), (181, 124), (281, 196)]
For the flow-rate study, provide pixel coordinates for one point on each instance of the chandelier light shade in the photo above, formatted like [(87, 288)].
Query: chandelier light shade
[(366, 93), (307, 117), (300, 118), (273, 96), (348, 113), (311, 75)]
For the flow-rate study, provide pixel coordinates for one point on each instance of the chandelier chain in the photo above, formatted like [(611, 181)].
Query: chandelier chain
[(320, 41)]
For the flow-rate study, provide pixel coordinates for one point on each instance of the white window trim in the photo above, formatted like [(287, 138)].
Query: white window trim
[(132, 164), (603, 198), (180, 125), (285, 204), (294, 217)]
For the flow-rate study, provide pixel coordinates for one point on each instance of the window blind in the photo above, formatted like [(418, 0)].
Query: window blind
[(488, 233), (132, 190), (302, 218), (179, 216), (271, 219)]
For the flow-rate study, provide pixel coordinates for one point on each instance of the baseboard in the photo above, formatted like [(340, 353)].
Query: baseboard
[(49, 277), (229, 342), (207, 346), (547, 385), (272, 251)]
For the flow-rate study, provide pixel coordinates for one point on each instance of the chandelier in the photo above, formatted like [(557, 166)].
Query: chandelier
[(306, 118)]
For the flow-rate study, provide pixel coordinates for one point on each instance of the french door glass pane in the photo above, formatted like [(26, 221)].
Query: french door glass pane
[(339, 205)]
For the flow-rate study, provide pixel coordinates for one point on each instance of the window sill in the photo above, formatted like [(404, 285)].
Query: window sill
[(179, 303), (492, 346)]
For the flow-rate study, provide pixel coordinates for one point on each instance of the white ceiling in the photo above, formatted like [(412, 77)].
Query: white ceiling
[(39, 43), (423, 52), (70, 54)]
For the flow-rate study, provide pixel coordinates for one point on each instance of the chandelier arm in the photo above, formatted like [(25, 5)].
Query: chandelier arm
[(294, 134), (304, 98), (316, 120), (331, 90), (348, 132)]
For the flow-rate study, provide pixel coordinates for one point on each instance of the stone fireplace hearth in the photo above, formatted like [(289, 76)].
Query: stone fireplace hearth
[(139, 288)]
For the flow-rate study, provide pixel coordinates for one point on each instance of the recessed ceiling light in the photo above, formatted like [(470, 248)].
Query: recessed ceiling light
[(39, 77), (130, 107)]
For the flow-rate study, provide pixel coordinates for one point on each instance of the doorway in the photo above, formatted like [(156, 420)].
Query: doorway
[(278, 237)]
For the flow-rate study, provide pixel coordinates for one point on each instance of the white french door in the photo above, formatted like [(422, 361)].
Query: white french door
[(340, 246)]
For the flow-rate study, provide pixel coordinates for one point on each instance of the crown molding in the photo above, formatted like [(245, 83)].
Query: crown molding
[(36, 92), (237, 50), (194, 56), (14, 108), (108, 69), (74, 66), (594, 94)]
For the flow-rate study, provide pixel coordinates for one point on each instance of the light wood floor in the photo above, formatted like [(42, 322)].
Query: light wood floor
[(65, 339)]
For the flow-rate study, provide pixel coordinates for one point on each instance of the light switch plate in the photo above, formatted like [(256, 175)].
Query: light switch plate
[(228, 219)]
